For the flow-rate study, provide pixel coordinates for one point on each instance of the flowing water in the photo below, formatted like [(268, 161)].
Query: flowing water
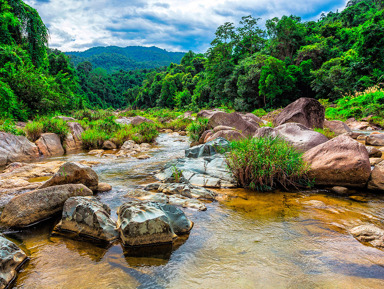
[(244, 240)]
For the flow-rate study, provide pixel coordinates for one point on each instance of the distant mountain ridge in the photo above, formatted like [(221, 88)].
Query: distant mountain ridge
[(114, 58)]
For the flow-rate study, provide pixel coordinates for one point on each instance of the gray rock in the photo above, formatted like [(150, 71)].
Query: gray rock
[(74, 173), (141, 224), (375, 161), (374, 152), (179, 222), (375, 139), (369, 234), (376, 181), (337, 126), (306, 111), (88, 216), (16, 149), (340, 190), (11, 259), (299, 136), (38, 205), (108, 145), (234, 120), (211, 148), (73, 140), (231, 135)]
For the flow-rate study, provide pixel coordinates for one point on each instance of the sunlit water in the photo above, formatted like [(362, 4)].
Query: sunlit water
[(244, 240)]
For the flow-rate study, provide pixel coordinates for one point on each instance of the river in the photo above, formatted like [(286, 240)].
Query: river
[(243, 240)]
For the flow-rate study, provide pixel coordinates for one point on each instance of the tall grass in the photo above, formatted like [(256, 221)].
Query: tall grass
[(94, 138), (264, 164), (197, 128), (34, 130), (9, 126), (145, 132), (58, 126)]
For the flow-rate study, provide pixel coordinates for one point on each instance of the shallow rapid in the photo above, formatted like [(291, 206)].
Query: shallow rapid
[(244, 240)]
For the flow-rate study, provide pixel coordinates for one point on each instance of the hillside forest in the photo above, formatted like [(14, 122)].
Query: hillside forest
[(250, 65)]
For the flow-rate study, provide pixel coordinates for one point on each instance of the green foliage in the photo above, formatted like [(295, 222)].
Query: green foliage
[(265, 164), (326, 131), (145, 132), (94, 138), (259, 112), (55, 125), (360, 105), (197, 128), (177, 174), (34, 130), (9, 126), (178, 124)]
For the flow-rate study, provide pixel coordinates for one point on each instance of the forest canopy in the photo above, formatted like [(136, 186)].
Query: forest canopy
[(249, 65)]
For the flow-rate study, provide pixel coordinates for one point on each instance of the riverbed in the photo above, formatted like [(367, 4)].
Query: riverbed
[(243, 240)]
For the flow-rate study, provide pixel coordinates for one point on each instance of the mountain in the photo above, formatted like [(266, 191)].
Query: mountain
[(113, 58)]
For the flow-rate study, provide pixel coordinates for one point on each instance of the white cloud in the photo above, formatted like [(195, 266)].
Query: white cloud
[(171, 24)]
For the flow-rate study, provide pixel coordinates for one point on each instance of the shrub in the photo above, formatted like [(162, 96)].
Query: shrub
[(326, 131), (122, 135), (94, 138), (197, 128), (108, 124), (55, 125), (179, 124), (92, 114), (265, 164), (145, 132), (9, 126), (259, 112), (34, 130)]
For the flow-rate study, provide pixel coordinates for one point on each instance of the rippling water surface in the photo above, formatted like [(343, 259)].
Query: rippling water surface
[(244, 240)]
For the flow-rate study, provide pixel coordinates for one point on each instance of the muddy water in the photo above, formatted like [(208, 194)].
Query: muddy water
[(244, 240)]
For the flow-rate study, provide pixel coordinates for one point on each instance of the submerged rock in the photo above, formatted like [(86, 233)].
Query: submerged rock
[(88, 216), (141, 224), (38, 205), (49, 144), (11, 259), (103, 187), (306, 111), (74, 173), (369, 234), (341, 161), (16, 149)]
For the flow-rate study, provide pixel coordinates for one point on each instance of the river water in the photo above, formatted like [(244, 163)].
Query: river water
[(243, 240)]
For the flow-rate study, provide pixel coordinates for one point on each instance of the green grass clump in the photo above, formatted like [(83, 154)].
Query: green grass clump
[(259, 112), (122, 135), (265, 164), (94, 138), (178, 124), (145, 132), (34, 130), (9, 126), (92, 114), (55, 125), (326, 131), (197, 128)]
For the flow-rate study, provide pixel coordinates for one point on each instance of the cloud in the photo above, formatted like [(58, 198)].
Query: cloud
[(175, 25)]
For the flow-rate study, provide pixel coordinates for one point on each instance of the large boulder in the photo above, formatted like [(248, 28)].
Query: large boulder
[(49, 144), (73, 140), (341, 161), (74, 173), (89, 217), (141, 224), (234, 120), (38, 205), (16, 149), (299, 136), (376, 181), (250, 117), (337, 126), (219, 145), (231, 135), (206, 113), (369, 234), (11, 259), (375, 139), (306, 111)]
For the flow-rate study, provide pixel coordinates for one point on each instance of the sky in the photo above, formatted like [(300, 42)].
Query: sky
[(174, 25)]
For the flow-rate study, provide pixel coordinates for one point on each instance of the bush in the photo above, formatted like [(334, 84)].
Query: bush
[(264, 164), (145, 132), (34, 130), (8, 126), (122, 135), (179, 124), (94, 138), (108, 124), (92, 114), (326, 131), (55, 125), (197, 128), (259, 112)]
